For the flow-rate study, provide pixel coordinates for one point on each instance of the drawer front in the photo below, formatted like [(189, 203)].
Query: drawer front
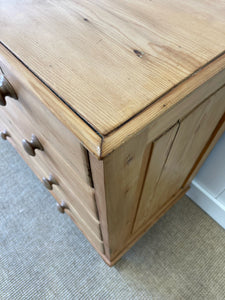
[(82, 215), (29, 115), (96, 242), (20, 127), (63, 157), (59, 140)]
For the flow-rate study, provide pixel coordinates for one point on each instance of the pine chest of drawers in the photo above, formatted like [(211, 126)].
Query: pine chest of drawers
[(113, 104)]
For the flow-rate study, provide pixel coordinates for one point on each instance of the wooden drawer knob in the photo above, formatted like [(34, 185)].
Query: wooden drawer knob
[(4, 134), (6, 89), (62, 206), (48, 182), (30, 147)]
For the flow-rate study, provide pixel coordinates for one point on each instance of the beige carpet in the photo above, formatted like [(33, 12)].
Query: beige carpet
[(44, 256)]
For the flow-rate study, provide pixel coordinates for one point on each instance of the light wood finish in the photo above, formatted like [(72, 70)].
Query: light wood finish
[(156, 162), (19, 122), (97, 167), (217, 133), (193, 134), (135, 237), (127, 99), (116, 57), (123, 170), (78, 211), (81, 224), (58, 139), (78, 196), (26, 82), (84, 224), (204, 81), (173, 105)]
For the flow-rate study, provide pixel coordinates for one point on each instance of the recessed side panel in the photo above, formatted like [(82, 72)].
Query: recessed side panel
[(159, 154)]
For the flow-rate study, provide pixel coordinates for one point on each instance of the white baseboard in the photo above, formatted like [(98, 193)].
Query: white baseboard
[(213, 207)]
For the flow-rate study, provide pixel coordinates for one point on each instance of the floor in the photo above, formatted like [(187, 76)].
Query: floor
[(44, 256)]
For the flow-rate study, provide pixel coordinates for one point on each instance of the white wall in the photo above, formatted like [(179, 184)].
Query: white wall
[(208, 187)]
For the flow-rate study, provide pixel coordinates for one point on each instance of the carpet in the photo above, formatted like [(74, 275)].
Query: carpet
[(43, 255)]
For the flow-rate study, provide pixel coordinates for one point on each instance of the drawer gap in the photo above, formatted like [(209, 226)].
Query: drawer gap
[(90, 178)]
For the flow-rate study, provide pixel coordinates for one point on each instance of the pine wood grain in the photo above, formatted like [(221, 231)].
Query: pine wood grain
[(217, 133), (81, 212), (123, 169), (157, 161), (111, 59), (97, 169), (26, 84), (174, 105), (135, 237), (193, 134), (127, 98), (62, 150), (77, 192)]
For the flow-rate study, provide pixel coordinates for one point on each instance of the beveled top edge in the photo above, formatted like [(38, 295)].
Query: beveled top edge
[(203, 82), (172, 106), (111, 60)]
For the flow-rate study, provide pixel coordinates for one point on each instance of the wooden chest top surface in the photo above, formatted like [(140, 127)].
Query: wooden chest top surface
[(111, 60)]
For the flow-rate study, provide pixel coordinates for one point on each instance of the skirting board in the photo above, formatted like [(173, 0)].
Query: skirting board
[(207, 202)]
